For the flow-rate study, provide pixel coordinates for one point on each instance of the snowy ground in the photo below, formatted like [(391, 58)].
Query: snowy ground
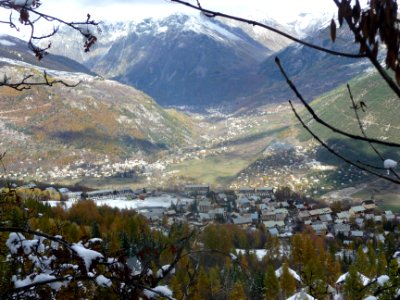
[(163, 201), (260, 253)]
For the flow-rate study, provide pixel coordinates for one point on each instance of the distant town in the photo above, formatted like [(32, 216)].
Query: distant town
[(280, 212)]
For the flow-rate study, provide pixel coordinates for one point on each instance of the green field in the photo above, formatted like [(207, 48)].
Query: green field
[(386, 195), (215, 170)]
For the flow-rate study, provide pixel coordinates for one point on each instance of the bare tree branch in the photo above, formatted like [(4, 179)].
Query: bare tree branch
[(345, 5), (336, 153), (26, 83), (322, 122)]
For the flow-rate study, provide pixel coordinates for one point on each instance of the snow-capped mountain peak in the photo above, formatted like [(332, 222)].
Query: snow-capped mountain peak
[(307, 23)]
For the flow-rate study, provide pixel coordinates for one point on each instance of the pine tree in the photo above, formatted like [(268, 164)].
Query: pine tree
[(237, 292), (353, 286), (372, 261), (287, 282), (271, 283), (332, 269), (297, 250), (390, 289), (314, 278), (95, 230), (273, 247), (362, 263), (215, 284), (381, 264)]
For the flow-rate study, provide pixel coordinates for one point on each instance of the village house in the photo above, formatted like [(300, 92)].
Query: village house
[(268, 215), (246, 191), (319, 228), (73, 196), (343, 229), (217, 213), (101, 194), (264, 192), (357, 211), (194, 190), (326, 218), (273, 231), (244, 204), (274, 224), (304, 215), (204, 206), (126, 192), (389, 216), (343, 216), (315, 213), (356, 234), (280, 214), (241, 220), (204, 217), (369, 205)]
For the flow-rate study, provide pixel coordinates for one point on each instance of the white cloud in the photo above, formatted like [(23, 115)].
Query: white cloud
[(138, 9), (123, 10)]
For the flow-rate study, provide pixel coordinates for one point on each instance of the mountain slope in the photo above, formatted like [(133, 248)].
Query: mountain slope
[(15, 49), (196, 61), (312, 71), (97, 119), (180, 60), (380, 119)]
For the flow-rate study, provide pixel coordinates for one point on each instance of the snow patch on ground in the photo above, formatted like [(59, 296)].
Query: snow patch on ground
[(164, 201), (260, 253)]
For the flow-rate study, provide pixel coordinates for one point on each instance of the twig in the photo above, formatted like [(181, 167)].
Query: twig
[(212, 14), (322, 122), (26, 83), (336, 153), (368, 52)]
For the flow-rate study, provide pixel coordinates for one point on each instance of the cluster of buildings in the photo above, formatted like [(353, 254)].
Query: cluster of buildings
[(248, 207), (255, 207)]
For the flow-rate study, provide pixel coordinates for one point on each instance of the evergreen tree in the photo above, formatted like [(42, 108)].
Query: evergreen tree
[(332, 269), (372, 261), (297, 257), (390, 288), (314, 278), (287, 282), (273, 247), (237, 292), (381, 264), (203, 284), (215, 284), (271, 284), (362, 264), (353, 286), (95, 230)]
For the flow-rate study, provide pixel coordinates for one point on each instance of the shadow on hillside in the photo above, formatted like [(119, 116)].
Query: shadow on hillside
[(92, 139)]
